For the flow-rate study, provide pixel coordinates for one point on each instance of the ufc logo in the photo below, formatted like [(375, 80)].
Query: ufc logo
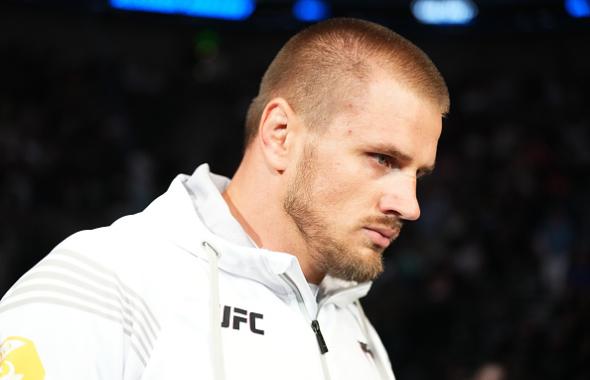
[(239, 316)]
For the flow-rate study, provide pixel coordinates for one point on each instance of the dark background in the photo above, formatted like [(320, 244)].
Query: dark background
[(100, 109)]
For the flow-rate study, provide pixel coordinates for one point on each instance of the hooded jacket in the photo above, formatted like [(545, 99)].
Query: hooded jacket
[(158, 295)]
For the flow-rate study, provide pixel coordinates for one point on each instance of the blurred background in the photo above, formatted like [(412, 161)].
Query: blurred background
[(103, 102)]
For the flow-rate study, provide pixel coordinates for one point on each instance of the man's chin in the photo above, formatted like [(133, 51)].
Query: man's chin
[(367, 266), (358, 277)]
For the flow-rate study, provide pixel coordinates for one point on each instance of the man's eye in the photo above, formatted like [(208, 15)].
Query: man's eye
[(383, 159)]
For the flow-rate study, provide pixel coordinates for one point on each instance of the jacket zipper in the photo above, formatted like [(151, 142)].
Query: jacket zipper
[(315, 325)]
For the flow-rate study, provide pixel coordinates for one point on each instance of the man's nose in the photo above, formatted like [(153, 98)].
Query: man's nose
[(400, 198)]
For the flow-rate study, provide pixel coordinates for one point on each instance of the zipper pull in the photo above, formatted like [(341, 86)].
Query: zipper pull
[(315, 326)]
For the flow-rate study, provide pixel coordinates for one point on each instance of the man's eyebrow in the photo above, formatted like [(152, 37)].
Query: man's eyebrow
[(402, 157), (392, 152)]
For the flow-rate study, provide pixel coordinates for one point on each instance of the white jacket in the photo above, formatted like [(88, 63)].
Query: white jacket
[(157, 295)]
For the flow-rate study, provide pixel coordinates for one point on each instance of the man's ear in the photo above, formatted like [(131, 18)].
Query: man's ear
[(276, 130)]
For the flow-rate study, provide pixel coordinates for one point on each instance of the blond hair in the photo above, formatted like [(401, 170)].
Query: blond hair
[(327, 61)]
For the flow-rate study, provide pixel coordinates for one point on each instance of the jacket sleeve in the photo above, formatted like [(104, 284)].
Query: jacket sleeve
[(71, 318)]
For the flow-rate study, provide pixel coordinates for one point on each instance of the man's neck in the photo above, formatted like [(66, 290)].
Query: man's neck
[(240, 218), (259, 211)]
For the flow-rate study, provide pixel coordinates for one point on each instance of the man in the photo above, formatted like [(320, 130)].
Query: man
[(258, 277)]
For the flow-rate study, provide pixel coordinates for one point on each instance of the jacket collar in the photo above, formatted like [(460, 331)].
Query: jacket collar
[(205, 189)]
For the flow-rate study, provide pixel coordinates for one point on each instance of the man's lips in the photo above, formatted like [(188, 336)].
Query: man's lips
[(385, 231), (381, 236)]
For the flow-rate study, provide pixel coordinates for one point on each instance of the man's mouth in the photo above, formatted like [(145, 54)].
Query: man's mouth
[(381, 236)]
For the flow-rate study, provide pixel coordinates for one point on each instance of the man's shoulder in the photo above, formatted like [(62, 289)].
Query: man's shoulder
[(90, 288), (128, 256), (117, 248), (116, 274), (128, 249)]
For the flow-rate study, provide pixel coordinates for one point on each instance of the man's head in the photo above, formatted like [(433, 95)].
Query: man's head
[(347, 118), (319, 65)]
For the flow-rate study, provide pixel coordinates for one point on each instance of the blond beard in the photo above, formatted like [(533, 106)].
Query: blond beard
[(328, 255)]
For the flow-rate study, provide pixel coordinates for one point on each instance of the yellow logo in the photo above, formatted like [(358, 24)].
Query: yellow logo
[(19, 360)]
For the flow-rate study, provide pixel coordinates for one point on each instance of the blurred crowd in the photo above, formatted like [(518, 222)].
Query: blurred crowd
[(492, 283)]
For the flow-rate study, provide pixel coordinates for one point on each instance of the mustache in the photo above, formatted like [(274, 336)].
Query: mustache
[(388, 221)]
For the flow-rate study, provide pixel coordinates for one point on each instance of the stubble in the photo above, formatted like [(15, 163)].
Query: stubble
[(329, 255)]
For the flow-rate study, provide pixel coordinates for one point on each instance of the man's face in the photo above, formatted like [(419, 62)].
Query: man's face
[(355, 181)]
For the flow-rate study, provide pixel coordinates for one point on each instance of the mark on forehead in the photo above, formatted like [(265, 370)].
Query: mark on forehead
[(349, 131)]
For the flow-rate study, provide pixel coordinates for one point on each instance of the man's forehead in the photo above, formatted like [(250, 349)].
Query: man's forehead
[(386, 112), (408, 133)]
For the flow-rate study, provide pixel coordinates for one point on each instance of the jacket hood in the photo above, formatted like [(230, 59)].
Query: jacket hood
[(174, 215)]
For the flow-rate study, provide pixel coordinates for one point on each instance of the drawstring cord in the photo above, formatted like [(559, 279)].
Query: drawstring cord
[(214, 317), (378, 360)]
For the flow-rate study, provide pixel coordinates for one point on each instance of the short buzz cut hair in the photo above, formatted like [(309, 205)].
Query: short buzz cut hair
[(326, 62)]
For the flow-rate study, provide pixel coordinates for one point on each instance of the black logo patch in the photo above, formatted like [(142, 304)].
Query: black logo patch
[(366, 349), (239, 316)]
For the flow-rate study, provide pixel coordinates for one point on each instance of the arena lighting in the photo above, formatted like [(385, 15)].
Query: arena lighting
[(578, 8), (444, 12), (311, 10), (220, 9)]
